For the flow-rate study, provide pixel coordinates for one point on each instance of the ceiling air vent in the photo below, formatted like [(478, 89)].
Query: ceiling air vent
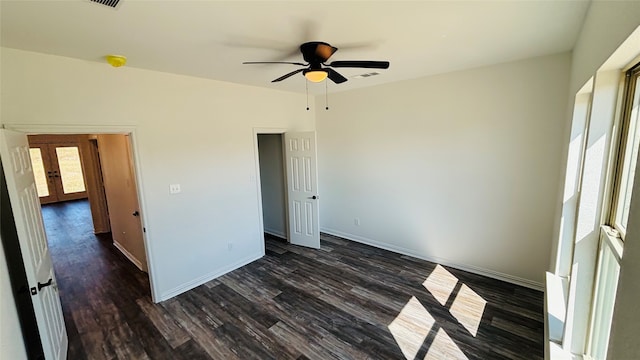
[(366, 75), (110, 3)]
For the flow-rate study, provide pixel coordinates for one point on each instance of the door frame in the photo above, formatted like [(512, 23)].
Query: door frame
[(256, 155), (40, 129)]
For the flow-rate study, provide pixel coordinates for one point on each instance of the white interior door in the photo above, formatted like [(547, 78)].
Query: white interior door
[(302, 188), (14, 151)]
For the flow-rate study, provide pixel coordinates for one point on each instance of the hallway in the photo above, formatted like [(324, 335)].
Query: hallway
[(94, 279)]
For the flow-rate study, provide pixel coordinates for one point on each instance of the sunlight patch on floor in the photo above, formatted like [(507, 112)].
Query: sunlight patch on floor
[(440, 284), (468, 308), (443, 347), (411, 327), (414, 327)]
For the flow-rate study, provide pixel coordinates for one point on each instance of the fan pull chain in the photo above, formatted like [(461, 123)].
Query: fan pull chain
[(306, 85), (326, 94)]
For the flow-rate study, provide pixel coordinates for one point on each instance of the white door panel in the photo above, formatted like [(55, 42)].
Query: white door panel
[(302, 188), (14, 150)]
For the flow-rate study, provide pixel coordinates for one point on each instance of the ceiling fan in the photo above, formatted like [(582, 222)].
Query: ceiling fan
[(316, 54)]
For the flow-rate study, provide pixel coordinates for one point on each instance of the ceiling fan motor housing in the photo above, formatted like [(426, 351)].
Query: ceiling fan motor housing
[(317, 52)]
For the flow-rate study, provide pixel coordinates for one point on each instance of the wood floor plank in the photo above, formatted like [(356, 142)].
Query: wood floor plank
[(120, 336), (344, 301), (276, 249), (166, 325), (201, 331), (341, 325), (308, 348), (247, 287), (334, 239), (150, 338), (257, 332), (333, 293), (92, 336), (190, 350)]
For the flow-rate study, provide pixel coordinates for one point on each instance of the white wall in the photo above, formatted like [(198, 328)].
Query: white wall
[(11, 343), (189, 131), (607, 24), (272, 183), (462, 167)]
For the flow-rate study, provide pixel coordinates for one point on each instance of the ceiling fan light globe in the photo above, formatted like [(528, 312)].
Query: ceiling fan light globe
[(316, 75)]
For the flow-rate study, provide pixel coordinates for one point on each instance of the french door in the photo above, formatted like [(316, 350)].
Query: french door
[(58, 171)]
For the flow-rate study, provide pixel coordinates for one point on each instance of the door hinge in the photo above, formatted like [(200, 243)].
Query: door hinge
[(144, 229)]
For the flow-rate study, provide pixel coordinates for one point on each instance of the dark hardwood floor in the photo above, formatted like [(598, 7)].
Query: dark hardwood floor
[(345, 301)]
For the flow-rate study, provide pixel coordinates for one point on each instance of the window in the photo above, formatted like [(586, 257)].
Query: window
[(613, 232), (604, 296), (628, 153)]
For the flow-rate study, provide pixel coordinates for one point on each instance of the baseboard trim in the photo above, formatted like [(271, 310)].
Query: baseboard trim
[(404, 251), (128, 255), (206, 278), (276, 234)]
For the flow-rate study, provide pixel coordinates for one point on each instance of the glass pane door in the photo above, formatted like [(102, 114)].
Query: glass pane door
[(37, 162), (58, 172), (70, 169)]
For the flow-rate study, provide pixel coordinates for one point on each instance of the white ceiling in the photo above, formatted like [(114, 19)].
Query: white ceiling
[(211, 39)]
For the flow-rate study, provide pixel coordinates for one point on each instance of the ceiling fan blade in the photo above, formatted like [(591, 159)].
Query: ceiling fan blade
[(335, 76), (238, 41), (370, 45), (288, 54), (287, 75), (273, 62), (360, 64), (307, 30)]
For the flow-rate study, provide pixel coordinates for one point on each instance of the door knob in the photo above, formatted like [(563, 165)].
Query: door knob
[(314, 197), (136, 213), (40, 285)]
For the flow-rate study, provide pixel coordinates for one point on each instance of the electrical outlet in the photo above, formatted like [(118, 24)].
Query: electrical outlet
[(174, 188), (356, 221)]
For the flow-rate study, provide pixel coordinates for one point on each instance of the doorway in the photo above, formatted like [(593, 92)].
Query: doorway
[(97, 167), (41, 283), (272, 185), (297, 176)]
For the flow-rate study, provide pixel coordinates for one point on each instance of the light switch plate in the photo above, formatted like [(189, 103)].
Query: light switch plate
[(174, 188)]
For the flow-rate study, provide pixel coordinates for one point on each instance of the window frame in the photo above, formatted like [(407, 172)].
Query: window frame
[(632, 77)]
